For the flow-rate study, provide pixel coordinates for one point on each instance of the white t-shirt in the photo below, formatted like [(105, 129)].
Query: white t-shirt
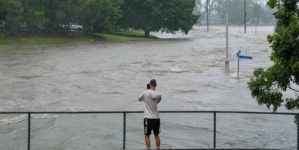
[(151, 99)]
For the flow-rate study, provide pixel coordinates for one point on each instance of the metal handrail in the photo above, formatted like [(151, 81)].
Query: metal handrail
[(127, 112), (83, 112)]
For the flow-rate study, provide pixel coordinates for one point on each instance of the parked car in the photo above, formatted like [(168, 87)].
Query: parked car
[(75, 27), (72, 27), (2, 24)]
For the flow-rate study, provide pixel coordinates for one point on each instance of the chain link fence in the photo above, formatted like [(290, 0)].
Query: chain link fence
[(124, 130)]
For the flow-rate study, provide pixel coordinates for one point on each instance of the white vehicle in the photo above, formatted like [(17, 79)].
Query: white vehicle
[(75, 27), (2, 24), (72, 27)]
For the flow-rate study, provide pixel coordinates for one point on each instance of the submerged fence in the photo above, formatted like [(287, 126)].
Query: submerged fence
[(124, 130)]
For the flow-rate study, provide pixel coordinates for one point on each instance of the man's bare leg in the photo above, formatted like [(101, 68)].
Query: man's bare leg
[(158, 142), (147, 141)]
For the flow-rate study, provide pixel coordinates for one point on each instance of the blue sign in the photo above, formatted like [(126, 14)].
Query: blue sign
[(240, 52), (245, 57)]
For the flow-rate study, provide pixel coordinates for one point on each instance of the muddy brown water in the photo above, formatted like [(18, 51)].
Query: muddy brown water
[(109, 76)]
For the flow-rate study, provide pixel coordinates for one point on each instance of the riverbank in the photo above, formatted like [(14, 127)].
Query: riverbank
[(123, 35)]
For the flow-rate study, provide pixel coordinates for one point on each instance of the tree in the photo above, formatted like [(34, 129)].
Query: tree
[(154, 15), (202, 8), (234, 9), (102, 15), (268, 85), (2, 10), (198, 8), (36, 19), (63, 12), (13, 15), (210, 6), (31, 17), (267, 15), (256, 12)]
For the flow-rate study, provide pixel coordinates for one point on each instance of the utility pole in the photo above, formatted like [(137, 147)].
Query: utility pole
[(207, 15), (245, 16), (226, 61), (255, 26)]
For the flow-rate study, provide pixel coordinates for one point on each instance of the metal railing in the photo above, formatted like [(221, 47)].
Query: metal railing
[(124, 130)]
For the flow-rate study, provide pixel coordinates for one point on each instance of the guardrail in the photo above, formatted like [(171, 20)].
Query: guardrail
[(124, 130)]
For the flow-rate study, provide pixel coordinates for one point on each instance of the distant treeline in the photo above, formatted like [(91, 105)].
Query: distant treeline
[(61, 16), (217, 10)]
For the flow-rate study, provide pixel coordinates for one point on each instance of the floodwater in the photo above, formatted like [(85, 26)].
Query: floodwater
[(109, 76), (105, 76)]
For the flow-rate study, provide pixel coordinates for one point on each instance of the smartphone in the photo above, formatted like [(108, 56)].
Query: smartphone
[(148, 86)]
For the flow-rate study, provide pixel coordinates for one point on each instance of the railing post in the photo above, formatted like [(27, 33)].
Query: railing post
[(214, 130), (297, 131), (124, 138), (29, 117)]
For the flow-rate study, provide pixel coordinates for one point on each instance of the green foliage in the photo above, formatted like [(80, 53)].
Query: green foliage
[(272, 3), (2, 10), (61, 12), (102, 15), (36, 19), (37, 41), (153, 15), (13, 15), (50, 15), (268, 86)]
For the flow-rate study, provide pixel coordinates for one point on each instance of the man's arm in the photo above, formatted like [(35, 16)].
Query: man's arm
[(156, 96), (141, 97), (159, 98)]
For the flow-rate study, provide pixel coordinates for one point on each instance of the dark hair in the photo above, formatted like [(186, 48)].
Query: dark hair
[(153, 82)]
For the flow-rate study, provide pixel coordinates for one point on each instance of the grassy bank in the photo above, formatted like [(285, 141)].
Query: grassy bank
[(123, 35), (35, 41), (126, 35), (131, 33)]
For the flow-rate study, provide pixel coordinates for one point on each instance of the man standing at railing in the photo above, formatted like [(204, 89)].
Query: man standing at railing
[(151, 115)]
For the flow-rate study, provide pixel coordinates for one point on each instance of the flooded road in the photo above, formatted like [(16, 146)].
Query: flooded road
[(105, 76)]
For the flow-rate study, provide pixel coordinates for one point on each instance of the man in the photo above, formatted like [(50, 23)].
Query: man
[(151, 115)]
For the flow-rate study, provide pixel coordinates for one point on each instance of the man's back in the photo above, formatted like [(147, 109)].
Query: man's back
[(151, 99)]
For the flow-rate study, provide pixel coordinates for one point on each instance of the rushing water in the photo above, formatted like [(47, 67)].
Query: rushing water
[(102, 76), (109, 76)]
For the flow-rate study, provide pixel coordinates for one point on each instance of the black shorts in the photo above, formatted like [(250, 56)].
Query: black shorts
[(151, 124)]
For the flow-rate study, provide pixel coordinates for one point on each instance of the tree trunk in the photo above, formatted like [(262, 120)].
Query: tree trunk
[(147, 33), (147, 29)]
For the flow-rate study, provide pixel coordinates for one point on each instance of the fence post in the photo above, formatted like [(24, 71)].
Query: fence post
[(297, 131), (124, 138), (214, 130), (29, 117)]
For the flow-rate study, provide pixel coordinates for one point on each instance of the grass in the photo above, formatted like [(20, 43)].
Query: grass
[(122, 35), (36, 41), (126, 35)]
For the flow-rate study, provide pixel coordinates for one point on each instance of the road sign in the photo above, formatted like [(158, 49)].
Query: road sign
[(241, 52), (245, 57), (241, 57)]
